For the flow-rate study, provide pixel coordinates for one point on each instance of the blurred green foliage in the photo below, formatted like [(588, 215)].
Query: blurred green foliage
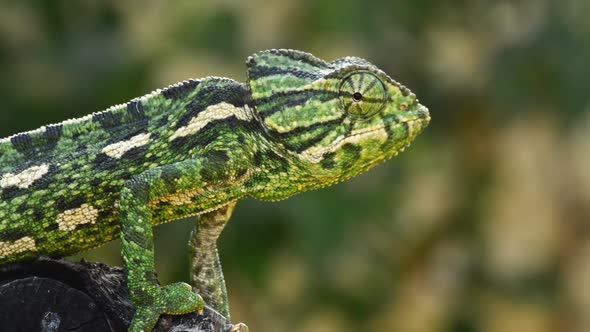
[(481, 226)]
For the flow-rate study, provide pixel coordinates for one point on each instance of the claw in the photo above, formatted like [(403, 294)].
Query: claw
[(240, 327)]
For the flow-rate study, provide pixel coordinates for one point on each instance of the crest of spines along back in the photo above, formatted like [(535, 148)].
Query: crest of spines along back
[(296, 94)]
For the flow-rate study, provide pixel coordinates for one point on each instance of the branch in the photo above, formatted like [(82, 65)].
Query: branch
[(51, 295)]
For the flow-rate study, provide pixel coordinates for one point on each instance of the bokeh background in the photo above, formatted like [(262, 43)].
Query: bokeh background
[(482, 225)]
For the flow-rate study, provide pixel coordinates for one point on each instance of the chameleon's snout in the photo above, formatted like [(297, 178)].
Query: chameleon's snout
[(420, 118)]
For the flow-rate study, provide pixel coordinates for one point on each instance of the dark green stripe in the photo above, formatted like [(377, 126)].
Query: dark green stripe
[(371, 85), (300, 143), (264, 71), (233, 93), (22, 142), (361, 80), (268, 106), (305, 129), (350, 83)]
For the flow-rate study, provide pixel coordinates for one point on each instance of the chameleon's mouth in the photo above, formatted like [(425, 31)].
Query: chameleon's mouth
[(414, 126)]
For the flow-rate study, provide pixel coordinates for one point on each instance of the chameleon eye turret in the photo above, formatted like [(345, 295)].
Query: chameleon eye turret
[(362, 94)]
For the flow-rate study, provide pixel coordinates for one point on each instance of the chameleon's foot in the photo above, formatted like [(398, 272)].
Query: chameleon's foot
[(173, 299), (240, 327)]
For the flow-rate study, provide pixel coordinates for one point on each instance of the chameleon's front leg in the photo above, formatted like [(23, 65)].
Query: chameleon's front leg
[(137, 248)]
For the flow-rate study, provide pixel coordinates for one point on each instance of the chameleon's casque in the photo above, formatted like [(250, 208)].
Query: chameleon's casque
[(195, 148), (335, 119)]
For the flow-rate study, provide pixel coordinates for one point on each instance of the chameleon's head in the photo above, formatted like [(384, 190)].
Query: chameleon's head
[(340, 117)]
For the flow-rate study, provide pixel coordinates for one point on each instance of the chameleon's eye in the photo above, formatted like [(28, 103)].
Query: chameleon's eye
[(362, 94)]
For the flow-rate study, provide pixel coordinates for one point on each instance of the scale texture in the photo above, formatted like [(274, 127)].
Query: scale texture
[(195, 148)]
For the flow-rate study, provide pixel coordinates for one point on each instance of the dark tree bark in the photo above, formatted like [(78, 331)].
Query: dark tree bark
[(55, 295)]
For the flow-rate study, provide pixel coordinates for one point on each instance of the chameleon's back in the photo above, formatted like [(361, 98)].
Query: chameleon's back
[(60, 184)]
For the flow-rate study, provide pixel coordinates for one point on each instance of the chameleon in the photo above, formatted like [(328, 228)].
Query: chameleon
[(195, 148)]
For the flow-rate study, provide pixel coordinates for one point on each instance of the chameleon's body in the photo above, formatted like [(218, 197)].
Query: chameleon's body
[(196, 148)]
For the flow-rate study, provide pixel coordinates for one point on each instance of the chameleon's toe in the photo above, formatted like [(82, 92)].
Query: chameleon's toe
[(240, 327), (179, 298)]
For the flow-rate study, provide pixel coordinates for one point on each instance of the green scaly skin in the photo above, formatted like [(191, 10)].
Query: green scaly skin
[(195, 148)]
